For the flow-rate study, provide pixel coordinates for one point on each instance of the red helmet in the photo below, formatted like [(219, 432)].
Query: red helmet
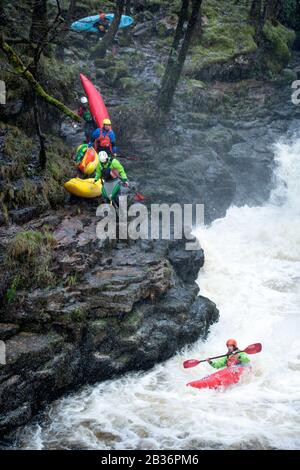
[(231, 342)]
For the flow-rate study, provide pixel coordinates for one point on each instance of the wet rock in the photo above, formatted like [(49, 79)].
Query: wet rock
[(21, 216), (11, 109), (7, 330), (15, 418)]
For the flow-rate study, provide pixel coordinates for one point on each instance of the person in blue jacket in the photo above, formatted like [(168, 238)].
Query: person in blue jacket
[(104, 139)]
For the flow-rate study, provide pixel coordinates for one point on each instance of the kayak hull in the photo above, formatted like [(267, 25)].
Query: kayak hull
[(96, 103), (86, 24), (89, 162), (222, 378), (84, 188)]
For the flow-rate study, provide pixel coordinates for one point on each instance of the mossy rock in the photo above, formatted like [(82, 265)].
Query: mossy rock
[(196, 84), (281, 40), (287, 76), (103, 63), (115, 73), (128, 84)]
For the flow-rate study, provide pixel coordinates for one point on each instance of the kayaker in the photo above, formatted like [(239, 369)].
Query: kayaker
[(105, 165), (104, 139), (85, 113), (102, 25), (233, 357)]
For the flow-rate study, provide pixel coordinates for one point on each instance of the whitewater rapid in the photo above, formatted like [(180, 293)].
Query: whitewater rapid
[(252, 273)]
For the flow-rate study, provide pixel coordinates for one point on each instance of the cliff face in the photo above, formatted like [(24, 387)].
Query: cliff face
[(110, 309)]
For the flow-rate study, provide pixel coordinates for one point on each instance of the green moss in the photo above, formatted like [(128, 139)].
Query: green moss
[(28, 245), (71, 281), (12, 290), (159, 70), (128, 84), (29, 258), (219, 44), (78, 315), (281, 39), (115, 73), (131, 323), (59, 80)]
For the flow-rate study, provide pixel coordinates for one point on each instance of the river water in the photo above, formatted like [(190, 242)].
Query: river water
[(252, 272)]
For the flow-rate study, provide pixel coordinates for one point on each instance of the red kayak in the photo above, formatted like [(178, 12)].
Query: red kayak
[(96, 103), (221, 378)]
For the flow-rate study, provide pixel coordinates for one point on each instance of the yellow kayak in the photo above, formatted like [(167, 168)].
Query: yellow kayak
[(83, 188)]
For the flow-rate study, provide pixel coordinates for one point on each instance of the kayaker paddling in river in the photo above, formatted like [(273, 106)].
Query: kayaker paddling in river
[(233, 357), (104, 139), (85, 113)]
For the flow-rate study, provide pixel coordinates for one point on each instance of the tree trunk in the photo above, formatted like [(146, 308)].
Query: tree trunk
[(39, 22), (176, 61), (128, 7), (71, 11), (107, 40), (179, 33), (41, 136), (3, 18), (272, 10)]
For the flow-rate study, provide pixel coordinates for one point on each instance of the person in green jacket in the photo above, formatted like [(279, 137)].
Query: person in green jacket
[(233, 357), (104, 167)]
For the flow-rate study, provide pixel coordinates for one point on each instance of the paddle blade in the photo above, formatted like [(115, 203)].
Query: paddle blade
[(133, 159), (191, 363), (139, 197), (253, 348)]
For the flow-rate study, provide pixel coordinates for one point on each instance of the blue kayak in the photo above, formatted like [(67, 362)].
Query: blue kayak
[(86, 24)]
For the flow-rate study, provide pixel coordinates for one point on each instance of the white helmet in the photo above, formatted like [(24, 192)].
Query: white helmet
[(103, 157), (83, 100)]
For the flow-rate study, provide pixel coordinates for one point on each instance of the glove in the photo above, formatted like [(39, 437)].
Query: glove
[(126, 184), (209, 360)]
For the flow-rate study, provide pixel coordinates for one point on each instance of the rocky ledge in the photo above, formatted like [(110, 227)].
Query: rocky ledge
[(112, 309)]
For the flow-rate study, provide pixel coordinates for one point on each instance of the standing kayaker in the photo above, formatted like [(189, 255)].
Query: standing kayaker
[(233, 357), (104, 139), (105, 165), (85, 113)]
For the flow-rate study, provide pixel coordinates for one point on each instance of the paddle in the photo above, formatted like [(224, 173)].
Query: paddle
[(134, 159), (137, 196), (252, 349)]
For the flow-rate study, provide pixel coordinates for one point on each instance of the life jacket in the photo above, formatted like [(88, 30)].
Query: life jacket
[(233, 360), (103, 141), (105, 170)]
